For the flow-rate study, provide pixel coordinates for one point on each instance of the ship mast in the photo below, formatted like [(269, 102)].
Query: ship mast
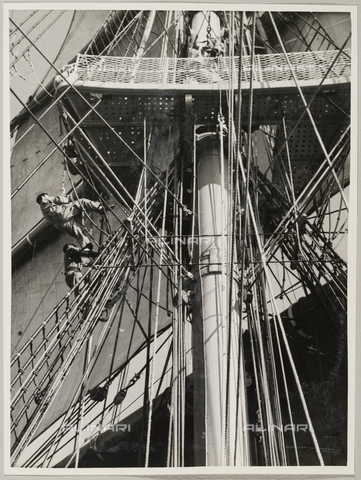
[(169, 159), (212, 324)]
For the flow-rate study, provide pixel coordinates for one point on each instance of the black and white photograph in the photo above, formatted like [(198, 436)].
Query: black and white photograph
[(182, 194)]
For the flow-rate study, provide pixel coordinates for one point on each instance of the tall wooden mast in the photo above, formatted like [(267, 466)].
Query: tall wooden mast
[(218, 399)]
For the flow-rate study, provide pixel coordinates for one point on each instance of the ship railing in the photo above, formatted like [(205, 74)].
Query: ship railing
[(204, 70)]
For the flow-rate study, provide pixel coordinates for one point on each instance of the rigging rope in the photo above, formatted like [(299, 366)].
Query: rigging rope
[(13, 32), (57, 145), (265, 377), (123, 33), (82, 400), (37, 308), (161, 35), (81, 388), (52, 105), (150, 411), (56, 383), (135, 204), (306, 105), (102, 119), (66, 169), (305, 195), (325, 35), (18, 57), (55, 313), (246, 186), (34, 25), (166, 39), (107, 410), (227, 307), (289, 354), (235, 168), (306, 108), (260, 413), (231, 263)]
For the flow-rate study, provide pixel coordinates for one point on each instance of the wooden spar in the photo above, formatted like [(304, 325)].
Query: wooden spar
[(215, 360), (212, 215), (211, 212)]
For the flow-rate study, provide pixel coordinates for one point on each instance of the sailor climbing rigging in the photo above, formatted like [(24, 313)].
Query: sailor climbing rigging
[(66, 215), (74, 259)]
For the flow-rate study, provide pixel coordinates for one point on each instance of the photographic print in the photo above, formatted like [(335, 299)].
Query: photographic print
[(181, 186)]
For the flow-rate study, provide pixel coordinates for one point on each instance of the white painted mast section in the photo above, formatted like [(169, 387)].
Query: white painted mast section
[(210, 227), (213, 206), (212, 254)]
